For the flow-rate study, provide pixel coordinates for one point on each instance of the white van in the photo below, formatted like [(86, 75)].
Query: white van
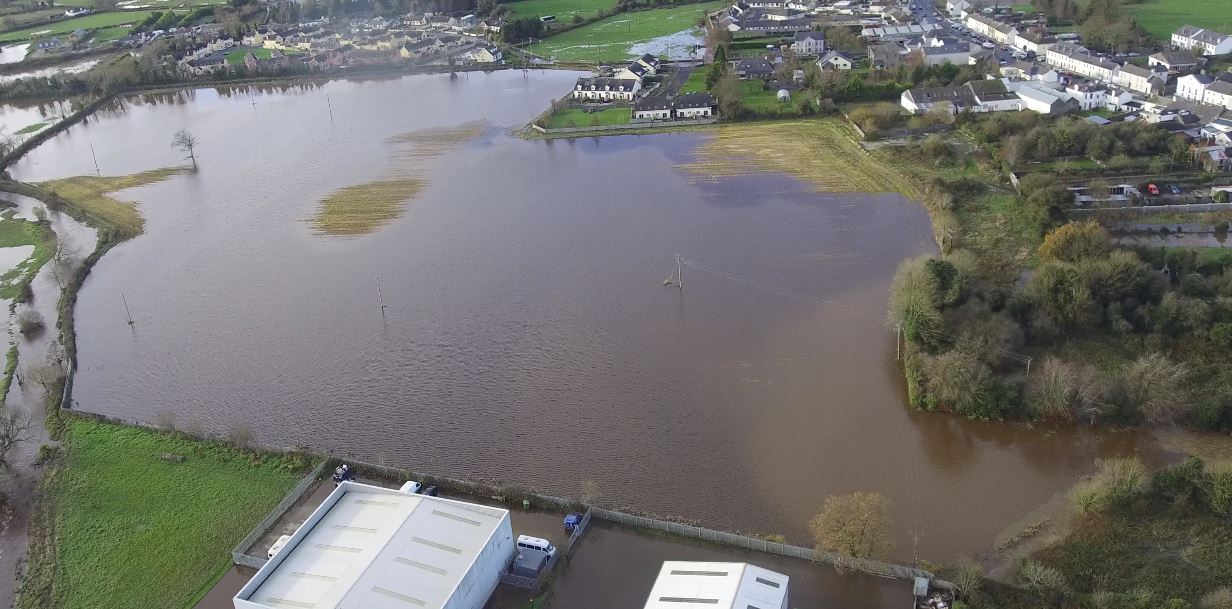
[(411, 487), (534, 543), (282, 541)]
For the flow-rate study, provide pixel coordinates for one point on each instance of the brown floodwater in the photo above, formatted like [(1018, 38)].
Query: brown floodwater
[(527, 335)]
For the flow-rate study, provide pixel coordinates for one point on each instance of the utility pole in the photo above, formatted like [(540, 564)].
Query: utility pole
[(126, 311), (380, 297), (679, 277), (331, 111), (95, 157)]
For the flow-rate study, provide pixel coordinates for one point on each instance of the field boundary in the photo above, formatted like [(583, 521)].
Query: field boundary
[(239, 554)]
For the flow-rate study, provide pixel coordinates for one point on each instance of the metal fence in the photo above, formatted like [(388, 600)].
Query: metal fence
[(1153, 209), (872, 567), (239, 554), (576, 536)]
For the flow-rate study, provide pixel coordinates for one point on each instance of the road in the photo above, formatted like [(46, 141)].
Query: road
[(927, 13)]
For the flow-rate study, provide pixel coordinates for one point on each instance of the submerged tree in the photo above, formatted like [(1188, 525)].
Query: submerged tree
[(857, 525), (14, 428), (185, 142)]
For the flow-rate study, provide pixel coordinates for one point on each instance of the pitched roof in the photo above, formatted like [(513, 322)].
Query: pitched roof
[(1200, 34)]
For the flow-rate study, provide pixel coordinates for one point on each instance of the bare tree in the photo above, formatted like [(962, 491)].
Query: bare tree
[(857, 525), (185, 142), (46, 375), (240, 435), (14, 428)]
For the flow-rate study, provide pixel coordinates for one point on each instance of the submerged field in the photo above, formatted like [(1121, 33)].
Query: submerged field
[(132, 529), (92, 195), (610, 39), (364, 208), (823, 153)]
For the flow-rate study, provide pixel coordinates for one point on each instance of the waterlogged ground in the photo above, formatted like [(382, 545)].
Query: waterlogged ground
[(526, 334), (616, 38)]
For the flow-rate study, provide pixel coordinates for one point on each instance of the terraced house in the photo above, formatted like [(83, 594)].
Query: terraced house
[(1202, 41), (1076, 58)]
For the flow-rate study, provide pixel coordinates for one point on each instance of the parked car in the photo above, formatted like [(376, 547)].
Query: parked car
[(535, 543), (988, 45), (1152, 189), (411, 487), (342, 473), (1174, 189), (431, 491)]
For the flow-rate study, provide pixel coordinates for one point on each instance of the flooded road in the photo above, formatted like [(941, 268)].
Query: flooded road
[(527, 336)]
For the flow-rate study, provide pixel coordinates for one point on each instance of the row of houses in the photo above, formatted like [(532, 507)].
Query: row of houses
[(687, 106), (620, 85)]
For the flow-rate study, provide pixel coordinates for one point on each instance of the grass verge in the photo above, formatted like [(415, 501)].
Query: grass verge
[(89, 22), (573, 117), (130, 529)]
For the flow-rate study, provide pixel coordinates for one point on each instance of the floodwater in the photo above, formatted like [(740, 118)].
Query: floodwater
[(13, 53), (686, 44), (72, 68), (527, 336), (14, 118)]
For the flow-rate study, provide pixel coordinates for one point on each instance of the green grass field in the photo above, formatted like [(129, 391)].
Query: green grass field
[(563, 9), (696, 83), (1161, 17), (16, 232), (237, 56), (611, 38), (111, 33), (572, 117), (89, 22), (133, 530), (20, 20)]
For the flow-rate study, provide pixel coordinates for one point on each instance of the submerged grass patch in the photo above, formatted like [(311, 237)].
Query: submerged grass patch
[(16, 232), (822, 152), (134, 530), (90, 195), (361, 209), (364, 208)]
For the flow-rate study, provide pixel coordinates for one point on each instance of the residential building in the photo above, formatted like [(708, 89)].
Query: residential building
[(1218, 93), (1075, 58), (885, 56), (721, 585), (604, 88), (1193, 86), (653, 108), (634, 71), (78, 35), (835, 60), (650, 62), (976, 96), (694, 105), (952, 51), (1088, 95), (373, 547), (1001, 33), (1177, 62), (809, 43), (1137, 78), (1201, 41), (1034, 41), (754, 68)]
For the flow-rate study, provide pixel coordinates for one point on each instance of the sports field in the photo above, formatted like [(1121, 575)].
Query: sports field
[(610, 39), (1161, 17)]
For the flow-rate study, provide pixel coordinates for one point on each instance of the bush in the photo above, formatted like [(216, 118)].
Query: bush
[(29, 323), (1075, 241), (1038, 577), (1219, 494), (1114, 485)]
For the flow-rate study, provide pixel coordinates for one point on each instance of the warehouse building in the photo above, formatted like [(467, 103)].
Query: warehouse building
[(717, 585), (376, 548)]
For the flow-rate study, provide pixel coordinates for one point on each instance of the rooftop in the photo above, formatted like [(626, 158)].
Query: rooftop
[(376, 548), (717, 585)]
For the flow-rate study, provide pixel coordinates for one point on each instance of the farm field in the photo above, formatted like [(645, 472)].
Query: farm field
[(563, 9), (610, 39), (96, 21), (1161, 17)]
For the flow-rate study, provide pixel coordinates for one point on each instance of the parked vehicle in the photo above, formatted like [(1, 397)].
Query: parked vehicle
[(1174, 189), (534, 543), (1152, 189), (342, 473), (411, 487), (431, 491), (572, 521), (278, 545)]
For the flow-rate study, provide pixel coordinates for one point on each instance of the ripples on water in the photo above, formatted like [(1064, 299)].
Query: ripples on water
[(527, 336)]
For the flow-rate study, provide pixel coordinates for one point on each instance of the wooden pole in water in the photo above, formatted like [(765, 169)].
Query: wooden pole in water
[(95, 157), (380, 297), (331, 111), (679, 276), (126, 311)]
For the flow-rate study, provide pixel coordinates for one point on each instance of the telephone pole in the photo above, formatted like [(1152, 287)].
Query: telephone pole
[(126, 311)]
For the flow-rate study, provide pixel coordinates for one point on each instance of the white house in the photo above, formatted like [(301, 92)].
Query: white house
[(1077, 59), (990, 95), (1201, 41), (652, 108), (1173, 61), (373, 547), (1041, 99), (606, 88), (834, 60), (694, 105), (1140, 79), (992, 29), (809, 43), (1219, 93), (1193, 86), (717, 585), (1089, 95)]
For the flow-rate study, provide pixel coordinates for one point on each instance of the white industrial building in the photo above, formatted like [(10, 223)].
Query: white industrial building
[(368, 547), (717, 585)]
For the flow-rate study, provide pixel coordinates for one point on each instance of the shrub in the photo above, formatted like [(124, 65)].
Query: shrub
[(1039, 577), (1075, 241), (1115, 483), (29, 323), (1220, 491), (1156, 386), (969, 576), (1219, 598)]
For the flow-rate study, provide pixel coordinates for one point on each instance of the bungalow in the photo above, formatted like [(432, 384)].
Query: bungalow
[(809, 43), (78, 35), (606, 88), (977, 96), (754, 68), (1178, 62), (1201, 41), (1041, 99), (835, 60)]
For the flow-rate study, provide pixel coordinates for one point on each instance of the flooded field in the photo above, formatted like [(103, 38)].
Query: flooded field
[(509, 322)]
